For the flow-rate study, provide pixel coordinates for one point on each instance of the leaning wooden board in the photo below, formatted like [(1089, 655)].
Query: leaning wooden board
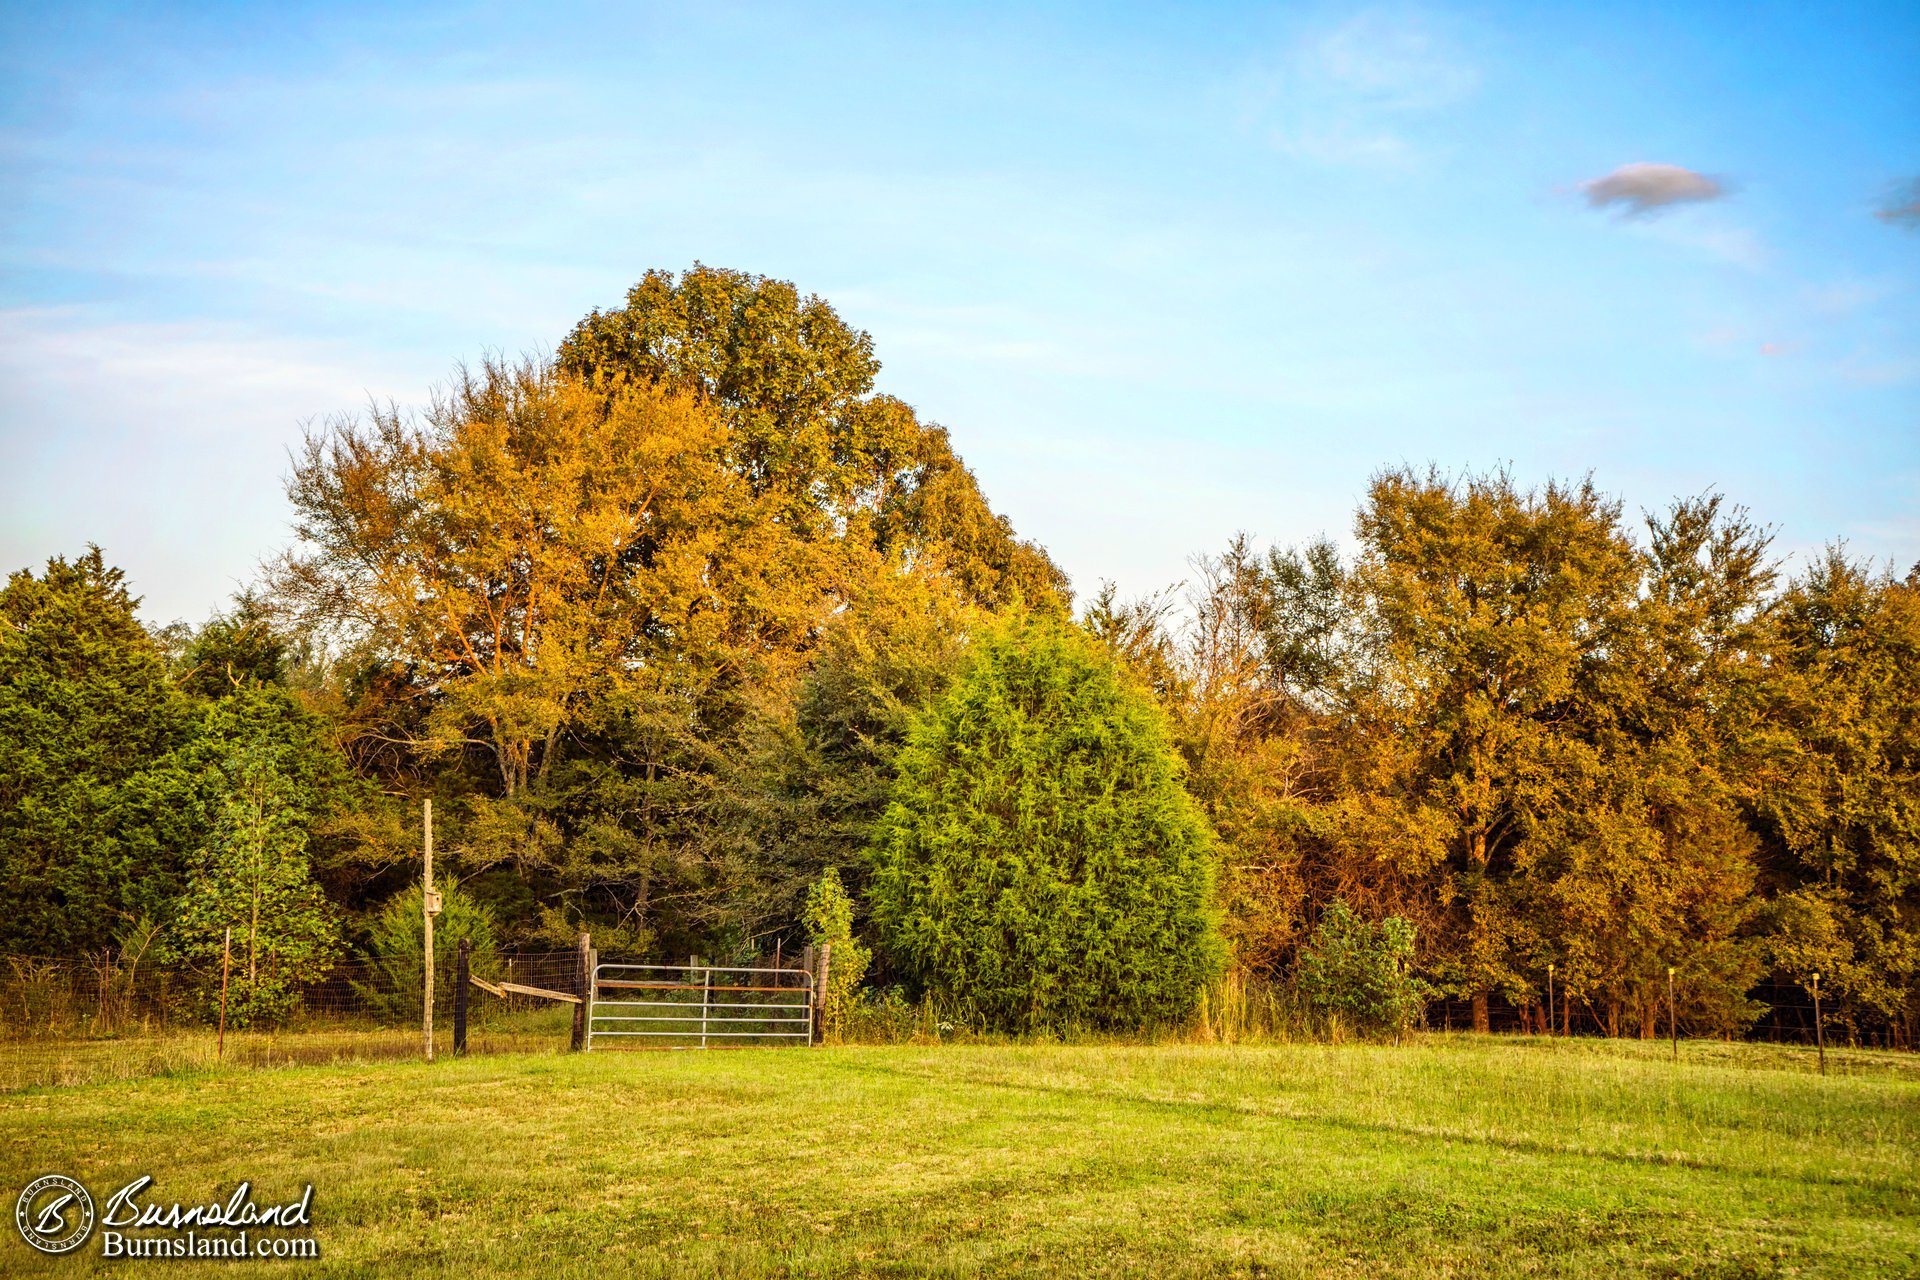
[(501, 989)]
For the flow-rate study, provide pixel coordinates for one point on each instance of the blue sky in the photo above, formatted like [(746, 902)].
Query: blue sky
[(1165, 275)]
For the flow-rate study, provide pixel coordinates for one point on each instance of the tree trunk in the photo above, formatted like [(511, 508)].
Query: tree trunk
[(1481, 1021), (1613, 1019)]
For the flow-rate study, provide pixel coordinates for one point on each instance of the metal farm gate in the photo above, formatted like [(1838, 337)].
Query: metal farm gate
[(687, 1006)]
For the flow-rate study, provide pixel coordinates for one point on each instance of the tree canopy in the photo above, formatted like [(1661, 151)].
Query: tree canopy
[(701, 641)]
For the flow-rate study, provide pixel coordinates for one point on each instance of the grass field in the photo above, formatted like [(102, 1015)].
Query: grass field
[(1456, 1156)]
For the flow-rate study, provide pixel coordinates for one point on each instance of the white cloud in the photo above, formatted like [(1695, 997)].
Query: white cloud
[(1644, 188), (1354, 94)]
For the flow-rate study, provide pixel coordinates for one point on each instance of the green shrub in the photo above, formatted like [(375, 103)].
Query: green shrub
[(1361, 971), (829, 920), (252, 878), (1039, 865), (398, 936)]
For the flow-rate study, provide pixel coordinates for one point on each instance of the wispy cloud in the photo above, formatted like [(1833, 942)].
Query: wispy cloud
[(1393, 62), (1711, 236), (1644, 188), (178, 381), (1843, 297), (1352, 94), (1902, 209), (1871, 372)]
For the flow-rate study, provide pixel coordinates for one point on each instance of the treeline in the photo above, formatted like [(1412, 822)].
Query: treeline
[(666, 623), (1546, 738)]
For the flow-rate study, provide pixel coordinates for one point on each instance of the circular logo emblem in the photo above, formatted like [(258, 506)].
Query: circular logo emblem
[(55, 1214)]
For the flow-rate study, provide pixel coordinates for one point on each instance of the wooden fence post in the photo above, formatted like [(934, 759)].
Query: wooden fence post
[(462, 969), (826, 965), (582, 987), (426, 927)]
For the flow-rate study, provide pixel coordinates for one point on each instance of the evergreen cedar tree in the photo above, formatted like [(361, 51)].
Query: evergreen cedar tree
[(124, 773), (1040, 865)]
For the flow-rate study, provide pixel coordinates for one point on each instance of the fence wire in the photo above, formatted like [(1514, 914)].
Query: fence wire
[(54, 998)]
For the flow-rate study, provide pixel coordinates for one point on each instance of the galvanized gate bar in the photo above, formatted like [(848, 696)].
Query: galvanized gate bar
[(714, 1019)]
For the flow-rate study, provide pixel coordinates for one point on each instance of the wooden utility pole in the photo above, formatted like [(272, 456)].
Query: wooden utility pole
[(429, 903)]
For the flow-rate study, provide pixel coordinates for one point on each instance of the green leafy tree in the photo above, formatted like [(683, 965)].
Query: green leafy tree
[(396, 941), (252, 878), (1362, 971), (829, 922), (1040, 865)]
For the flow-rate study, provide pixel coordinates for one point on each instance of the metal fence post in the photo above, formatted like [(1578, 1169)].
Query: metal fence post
[(462, 967), (1819, 1026), (1673, 1019), (582, 987)]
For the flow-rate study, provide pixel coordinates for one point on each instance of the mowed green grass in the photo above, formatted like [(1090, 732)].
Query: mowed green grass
[(1454, 1156)]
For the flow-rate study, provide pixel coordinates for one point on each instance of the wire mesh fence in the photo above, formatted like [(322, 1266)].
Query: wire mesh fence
[(100, 997), (44, 997), (1777, 1013)]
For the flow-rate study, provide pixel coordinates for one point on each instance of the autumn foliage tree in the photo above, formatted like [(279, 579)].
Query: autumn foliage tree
[(528, 543), (581, 596), (1507, 720), (1836, 794)]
